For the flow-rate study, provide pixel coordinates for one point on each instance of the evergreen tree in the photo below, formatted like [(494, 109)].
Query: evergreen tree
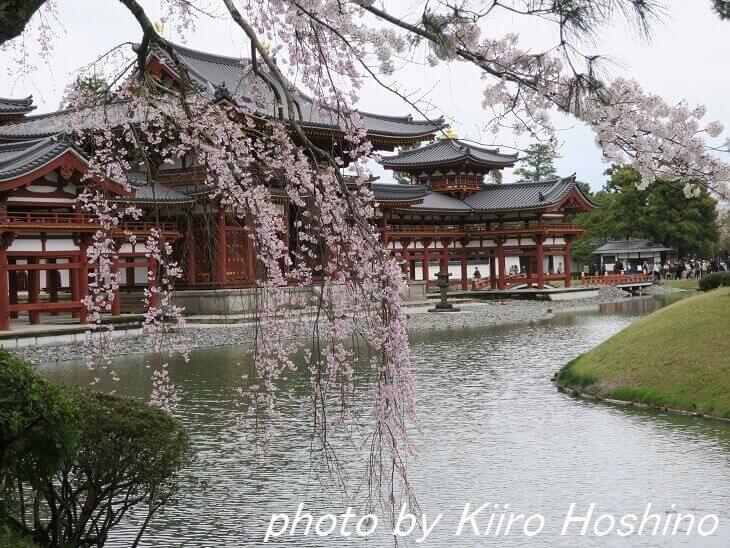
[(537, 165), (405, 178), (496, 177), (660, 213)]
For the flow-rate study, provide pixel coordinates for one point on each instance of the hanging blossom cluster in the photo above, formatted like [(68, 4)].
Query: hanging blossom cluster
[(114, 162), (336, 285), (663, 141), (660, 140)]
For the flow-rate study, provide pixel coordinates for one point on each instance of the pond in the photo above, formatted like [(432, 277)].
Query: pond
[(495, 430)]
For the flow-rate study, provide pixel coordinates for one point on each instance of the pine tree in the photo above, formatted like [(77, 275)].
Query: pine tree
[(537, 165), (405, 178)]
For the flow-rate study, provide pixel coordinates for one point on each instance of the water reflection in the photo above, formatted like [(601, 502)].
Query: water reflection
[(495, 430)]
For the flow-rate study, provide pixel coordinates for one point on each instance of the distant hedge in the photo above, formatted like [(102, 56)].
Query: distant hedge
[(715, 280)]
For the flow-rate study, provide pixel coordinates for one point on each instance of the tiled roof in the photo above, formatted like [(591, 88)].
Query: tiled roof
[(397, 192), (447, 151), (216, 73), (53, 123), (17, 159), (435, 201), (148, 193), (630, 245), (527, 195), (492, 198), (16, 106)]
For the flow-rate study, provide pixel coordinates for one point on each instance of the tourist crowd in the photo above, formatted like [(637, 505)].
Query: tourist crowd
[(671, 269)]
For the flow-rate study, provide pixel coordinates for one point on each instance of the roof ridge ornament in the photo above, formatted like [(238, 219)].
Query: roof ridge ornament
[(448, 134)]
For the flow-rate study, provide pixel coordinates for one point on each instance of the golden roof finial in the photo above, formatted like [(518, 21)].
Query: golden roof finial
[(448, 133), (160, 27)]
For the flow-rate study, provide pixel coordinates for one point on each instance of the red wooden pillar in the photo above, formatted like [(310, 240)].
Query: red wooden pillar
[(190, 254), (405, 260), (117, 301), (34, 289), (540, 274), (464, 273), (502, 283), (13, 287), (424, 263), (4, 289), (566, 262), (52, 284), (73, 282), (221, 258), (384, 228), (83, 275)]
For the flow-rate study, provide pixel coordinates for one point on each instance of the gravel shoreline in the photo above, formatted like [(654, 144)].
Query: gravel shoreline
[(472, 315)]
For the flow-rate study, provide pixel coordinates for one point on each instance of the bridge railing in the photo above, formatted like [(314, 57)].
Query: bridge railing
[(616, 279)]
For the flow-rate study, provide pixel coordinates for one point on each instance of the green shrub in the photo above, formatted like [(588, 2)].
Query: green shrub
[(36, 421), (125, 454), (715, 280)]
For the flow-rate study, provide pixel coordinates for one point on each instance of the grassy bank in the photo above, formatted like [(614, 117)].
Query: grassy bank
[(683, 284), (678, 358)]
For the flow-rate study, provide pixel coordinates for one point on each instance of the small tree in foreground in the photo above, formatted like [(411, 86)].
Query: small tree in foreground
[(126, 456)]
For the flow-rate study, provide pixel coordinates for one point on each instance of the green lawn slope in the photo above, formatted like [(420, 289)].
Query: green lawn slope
[(676, 358)]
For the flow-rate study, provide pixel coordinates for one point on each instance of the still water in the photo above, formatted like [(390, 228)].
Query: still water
[(494, 430)]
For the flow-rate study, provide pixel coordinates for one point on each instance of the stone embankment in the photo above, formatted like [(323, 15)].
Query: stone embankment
[(472, 315)]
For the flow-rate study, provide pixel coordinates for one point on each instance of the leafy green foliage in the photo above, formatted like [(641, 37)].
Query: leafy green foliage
[(405, 178), (124, 454), (36, 420), (537, 165), (89, 89), (662, 213), (715, 280)]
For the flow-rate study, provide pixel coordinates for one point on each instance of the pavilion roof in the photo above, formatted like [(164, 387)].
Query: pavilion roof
[(17, 159), (491, 198), (524, 195), (630, 245), (146, 192), (16, 106), (219, 75), (386, 192), (61, 121), (448, 151)]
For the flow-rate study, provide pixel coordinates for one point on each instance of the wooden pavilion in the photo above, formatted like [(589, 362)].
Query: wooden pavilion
[(447, 214), (450, 214)]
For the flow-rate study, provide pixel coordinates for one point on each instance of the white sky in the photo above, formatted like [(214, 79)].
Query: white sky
[(685, 59)]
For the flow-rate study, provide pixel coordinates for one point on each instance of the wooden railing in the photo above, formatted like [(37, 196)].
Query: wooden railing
[(75, 220), (615, 279), (474, 230)]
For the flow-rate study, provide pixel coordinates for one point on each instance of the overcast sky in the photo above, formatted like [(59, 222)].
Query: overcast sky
[(685, 59)]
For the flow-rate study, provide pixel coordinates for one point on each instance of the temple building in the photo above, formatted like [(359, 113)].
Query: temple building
[(447, 215), (522, 230)]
